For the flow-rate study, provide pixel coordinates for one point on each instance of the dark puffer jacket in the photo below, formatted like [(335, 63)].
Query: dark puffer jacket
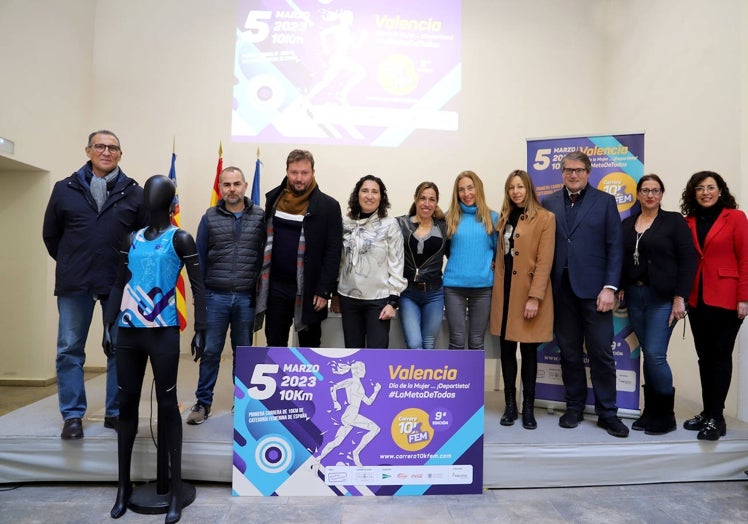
[(231, 249)]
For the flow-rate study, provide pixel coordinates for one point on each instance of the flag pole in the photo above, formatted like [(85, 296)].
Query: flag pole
[(176, 220), (255, 334)]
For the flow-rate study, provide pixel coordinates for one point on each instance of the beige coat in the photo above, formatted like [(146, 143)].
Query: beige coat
[(534, 243)]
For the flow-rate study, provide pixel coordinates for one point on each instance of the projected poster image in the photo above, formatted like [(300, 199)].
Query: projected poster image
[(346, 72)]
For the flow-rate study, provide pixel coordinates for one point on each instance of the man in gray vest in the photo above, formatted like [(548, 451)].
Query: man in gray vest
[(230, 242)]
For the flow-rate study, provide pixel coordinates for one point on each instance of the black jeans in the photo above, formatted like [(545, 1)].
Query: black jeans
[(279, 318), (714, 332), (361, 325)]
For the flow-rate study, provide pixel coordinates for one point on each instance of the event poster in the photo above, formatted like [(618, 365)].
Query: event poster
[(359, 422), (346, 72), (617, 165)]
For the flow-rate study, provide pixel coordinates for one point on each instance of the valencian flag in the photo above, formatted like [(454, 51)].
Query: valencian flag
[(176, 219), (256, 181), (215, 196)]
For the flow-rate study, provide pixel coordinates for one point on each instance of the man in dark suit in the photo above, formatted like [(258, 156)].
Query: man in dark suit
[(585, 276)]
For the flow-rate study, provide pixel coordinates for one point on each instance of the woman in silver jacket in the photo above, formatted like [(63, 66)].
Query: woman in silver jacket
[(371, 267)]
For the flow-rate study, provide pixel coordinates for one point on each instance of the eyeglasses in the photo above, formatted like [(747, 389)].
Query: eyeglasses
[(576, 171), (705, 189), (654, 191), (100, 148)]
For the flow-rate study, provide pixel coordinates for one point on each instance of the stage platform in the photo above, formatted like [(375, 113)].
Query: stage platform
[(31, 449)]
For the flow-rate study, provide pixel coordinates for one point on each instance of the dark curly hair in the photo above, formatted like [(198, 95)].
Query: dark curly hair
[(354, 207), (688, 204)]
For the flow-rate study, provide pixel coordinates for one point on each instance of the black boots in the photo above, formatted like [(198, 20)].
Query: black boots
[(640, 424), (663, 418), (528, 410), (510, 409), (658, 417)]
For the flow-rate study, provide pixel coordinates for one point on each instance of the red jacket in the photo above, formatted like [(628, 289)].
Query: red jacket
[(722, 262)]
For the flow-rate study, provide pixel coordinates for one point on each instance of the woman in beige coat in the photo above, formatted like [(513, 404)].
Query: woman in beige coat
[(522, 303)]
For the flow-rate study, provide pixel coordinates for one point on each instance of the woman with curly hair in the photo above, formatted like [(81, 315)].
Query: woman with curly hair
[(719, 297), (371, 267)]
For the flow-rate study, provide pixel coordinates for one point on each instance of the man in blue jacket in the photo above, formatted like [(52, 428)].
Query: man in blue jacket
[(87, 217), (585, 275)]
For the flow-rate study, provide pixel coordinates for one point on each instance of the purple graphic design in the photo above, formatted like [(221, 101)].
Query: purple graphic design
[(345, 72), (357, 422)]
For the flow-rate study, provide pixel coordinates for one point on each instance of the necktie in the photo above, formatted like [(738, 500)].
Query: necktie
[(573, 197)]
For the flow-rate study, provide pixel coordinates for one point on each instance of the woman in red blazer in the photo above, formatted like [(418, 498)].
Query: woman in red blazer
[(719, 297)]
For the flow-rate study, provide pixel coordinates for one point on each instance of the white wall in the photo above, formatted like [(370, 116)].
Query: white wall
[(175, 79), (158, 71), (676, 70), (45, 108), (742, 363)]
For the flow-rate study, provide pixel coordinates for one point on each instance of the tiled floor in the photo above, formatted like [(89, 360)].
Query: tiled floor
[(655, 503), (665, 503)]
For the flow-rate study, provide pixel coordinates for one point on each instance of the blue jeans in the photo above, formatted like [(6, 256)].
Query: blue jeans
[(649, 316), (76, 313), (421, 314), (225, 310), (467, 309)]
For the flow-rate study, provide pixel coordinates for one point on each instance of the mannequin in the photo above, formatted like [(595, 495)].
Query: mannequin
[(148, 329)]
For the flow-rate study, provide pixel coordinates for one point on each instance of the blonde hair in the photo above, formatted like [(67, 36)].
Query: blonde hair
[(532, 204), (483, 213)]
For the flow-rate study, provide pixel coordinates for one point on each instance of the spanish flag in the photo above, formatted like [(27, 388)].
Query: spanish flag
[(215, 196)]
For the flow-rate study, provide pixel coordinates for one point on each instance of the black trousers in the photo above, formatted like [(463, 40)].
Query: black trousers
[(578, 324), (529, 352), (361, 325), (279, 319), (714, 332)]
